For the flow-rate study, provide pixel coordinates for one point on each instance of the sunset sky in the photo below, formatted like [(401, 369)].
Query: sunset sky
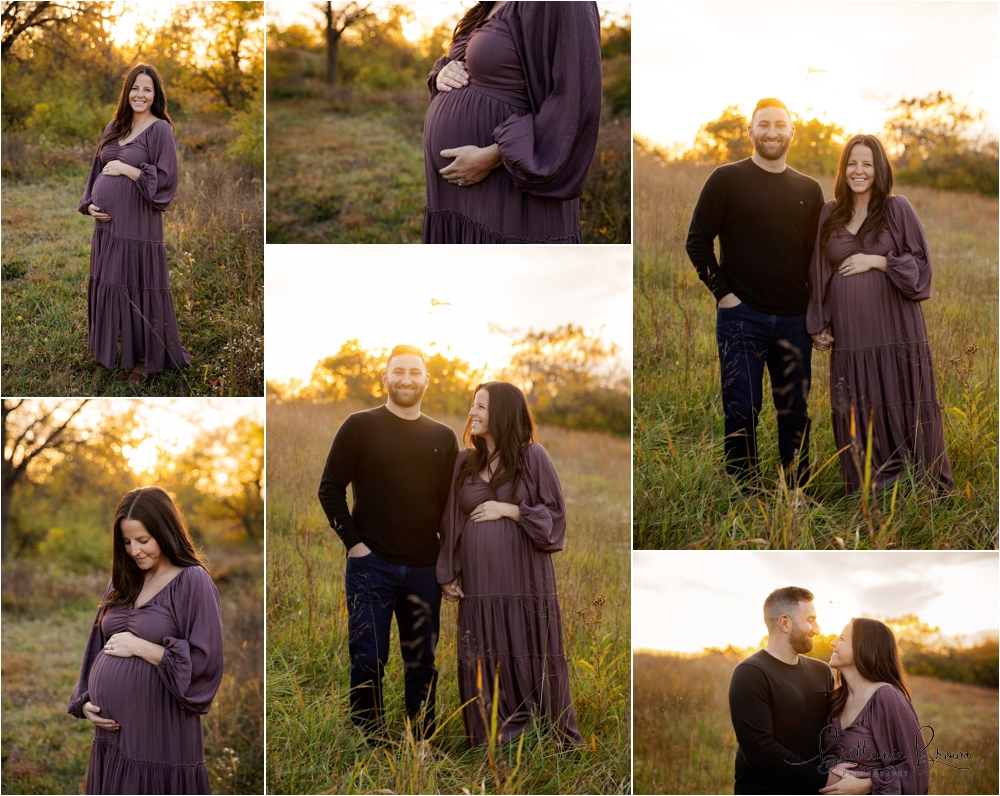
[(319, 297), (172, 423), (684, 601), (839, 61)]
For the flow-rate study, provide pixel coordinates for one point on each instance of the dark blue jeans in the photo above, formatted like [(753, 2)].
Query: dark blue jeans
[(376, 590), (749, 341)]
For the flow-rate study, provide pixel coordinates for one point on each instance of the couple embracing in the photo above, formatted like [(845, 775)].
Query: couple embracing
[(803, 728), (478, 527), (847, 277)]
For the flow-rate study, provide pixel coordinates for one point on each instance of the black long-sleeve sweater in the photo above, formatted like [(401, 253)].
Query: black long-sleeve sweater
[(778, 712), (766, 225), (400, 473)]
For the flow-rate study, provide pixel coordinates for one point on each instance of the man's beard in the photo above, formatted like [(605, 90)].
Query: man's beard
[(801, 642), (772, 154), (406, 399)]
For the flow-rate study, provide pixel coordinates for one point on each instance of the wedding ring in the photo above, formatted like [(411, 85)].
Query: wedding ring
[(461, 182)]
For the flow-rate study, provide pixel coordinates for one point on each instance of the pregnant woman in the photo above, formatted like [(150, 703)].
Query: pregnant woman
[(154, 658), (870, 270), (131, 183), (872, 721), (512, 125), (505, 518)]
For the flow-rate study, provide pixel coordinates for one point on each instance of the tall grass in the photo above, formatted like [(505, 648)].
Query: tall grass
[(47, 617), (684, 739), (213, 233), (312, 746), (682, 496)]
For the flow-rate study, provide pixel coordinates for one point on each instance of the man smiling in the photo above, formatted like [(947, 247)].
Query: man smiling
[(765, 216), (399, 464)]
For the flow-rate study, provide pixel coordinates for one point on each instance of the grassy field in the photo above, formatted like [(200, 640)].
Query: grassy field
[(214, 238), (682, 497), (348, 167), (46, 621), (311, 744), (684, 740)]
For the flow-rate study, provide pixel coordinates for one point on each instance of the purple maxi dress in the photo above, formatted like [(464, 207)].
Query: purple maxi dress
[(510, 615), (880, 365), (159, 747), (129, 291), (885, 741), (535, 91)]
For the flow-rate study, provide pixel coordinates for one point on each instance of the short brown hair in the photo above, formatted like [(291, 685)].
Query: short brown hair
[(770, 102), (784, 601), (400, 350)]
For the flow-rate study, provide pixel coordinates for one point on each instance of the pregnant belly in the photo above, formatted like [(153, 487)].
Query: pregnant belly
[(112, 195), (462, 118), (124, 688)]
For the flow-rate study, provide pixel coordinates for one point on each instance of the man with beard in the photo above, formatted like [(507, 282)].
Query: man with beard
[(765, 216), (778, 705), (399, 464)]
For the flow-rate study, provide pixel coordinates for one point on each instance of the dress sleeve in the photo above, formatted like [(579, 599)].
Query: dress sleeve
[(548, 151), (191, 668), (819, 315), (95, 647), (158, 180), (543, 512), (452, 521), (95, 172), (908, 265), (896, 733)]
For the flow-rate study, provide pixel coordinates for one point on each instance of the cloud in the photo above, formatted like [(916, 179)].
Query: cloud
[(899, 597)]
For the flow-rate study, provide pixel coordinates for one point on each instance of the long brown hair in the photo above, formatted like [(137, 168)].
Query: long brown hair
[(122, 123), (512, 428), (478, 13), (152, 507), (843, 196), (876, 657)]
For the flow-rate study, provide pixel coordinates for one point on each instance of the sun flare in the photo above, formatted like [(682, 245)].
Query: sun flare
[(142, 458)]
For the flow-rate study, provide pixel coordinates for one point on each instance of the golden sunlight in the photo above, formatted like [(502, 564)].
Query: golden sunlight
[(413, 31), (142, 458)]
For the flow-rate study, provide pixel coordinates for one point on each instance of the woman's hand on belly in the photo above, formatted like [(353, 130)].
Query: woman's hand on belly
[(493, 510), (128, 645), (93, 712), (453, 75), (859, 263), (116, 168), (471, 164), (95, 211)]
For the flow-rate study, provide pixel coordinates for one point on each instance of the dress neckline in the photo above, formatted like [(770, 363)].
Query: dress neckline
[(864, 707), (140, 133), (161, 590)]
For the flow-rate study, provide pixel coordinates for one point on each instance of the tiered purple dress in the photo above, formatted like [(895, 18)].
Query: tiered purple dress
[(880, 366), (510, 615), (129, 291), (885, 741), (159, 748), (535, 91)]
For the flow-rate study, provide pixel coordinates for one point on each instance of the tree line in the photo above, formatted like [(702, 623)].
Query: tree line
[(567, 375), (63, 64), (932, 141), (62, 479)]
